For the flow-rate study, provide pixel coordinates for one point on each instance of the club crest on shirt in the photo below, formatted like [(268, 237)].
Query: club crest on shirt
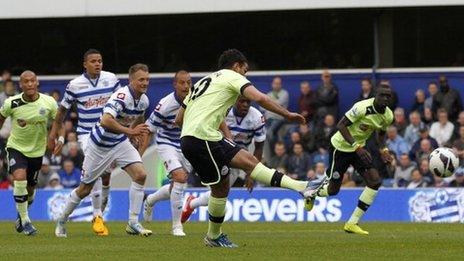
[(121, 96), (42, 111), (364, 127), (22, 123)]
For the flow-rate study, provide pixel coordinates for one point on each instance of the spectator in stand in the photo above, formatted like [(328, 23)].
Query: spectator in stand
[(457, 125), (424, 151), (324, 132), (75, 155), (56, 162), (400, 121), (299, 163), (425, 171), (321, 155), (423, 134), (395, 142), (443, 129), (56, 95), (5, 178), (307, 138), (417, 181), (403, 171), (306, 101), (419, 102), (5, 76), (428, 118), (273, 120), (458, 146), (295, 137), (70, 138), (280, 158), (326, 97), (54, 182), (447, 98), (70, 176), (317, 173), (45, 173), (9, 90), (394, 99), (433, 90), (411, 135), (458, 181), (367, 91)]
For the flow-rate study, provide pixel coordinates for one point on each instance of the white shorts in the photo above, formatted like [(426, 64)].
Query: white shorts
[(172, 159), (234, 174), (97, 159), (83, 139)]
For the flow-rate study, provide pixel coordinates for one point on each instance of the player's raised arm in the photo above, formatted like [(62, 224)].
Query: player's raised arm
[(264, 101)]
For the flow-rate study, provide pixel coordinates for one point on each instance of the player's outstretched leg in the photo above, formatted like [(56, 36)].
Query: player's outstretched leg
[(368, 195), (245, 161), (192, 202), (216, 212), (138, 175), (159, 195), (97, 222), (71, 203)]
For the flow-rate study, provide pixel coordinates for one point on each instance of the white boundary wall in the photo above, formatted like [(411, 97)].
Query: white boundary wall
[(79, 8)]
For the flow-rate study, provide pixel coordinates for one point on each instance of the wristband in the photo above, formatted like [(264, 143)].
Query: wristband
[(61, 139)]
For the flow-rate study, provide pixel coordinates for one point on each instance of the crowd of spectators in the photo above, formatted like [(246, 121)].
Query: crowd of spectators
[(435, 118)]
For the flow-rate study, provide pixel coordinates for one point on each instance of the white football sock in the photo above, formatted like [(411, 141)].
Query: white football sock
[(202, 200), (161, 194), (135, 201), (104, 197), (177, 195), (71, 203), (97, 198)]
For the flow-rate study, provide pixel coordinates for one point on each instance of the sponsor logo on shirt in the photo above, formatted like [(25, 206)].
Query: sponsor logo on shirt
[(96, 102)]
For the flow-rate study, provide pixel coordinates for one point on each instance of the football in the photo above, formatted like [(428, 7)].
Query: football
[(443, 162)]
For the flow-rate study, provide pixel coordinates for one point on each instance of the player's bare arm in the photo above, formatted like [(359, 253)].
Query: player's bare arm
[(267, 103), (57, 130), (2, 120), (144, 141), (343, 128), (384, 152), (225, 131), (108, 122)]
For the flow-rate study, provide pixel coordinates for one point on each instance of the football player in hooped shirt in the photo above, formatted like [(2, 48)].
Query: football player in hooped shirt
[(122, 119), (347, 148), (89, 92)]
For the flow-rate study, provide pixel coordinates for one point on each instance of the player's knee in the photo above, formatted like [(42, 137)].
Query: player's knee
[(333, 191), (374, 183), (179, 176), (140, 177), (106, 179), (84, 190)]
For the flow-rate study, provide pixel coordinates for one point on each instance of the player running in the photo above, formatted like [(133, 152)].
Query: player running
[(161, 124), (90, 92), (210, 154), (347, 148), (122, 117), (246, 125), (30, 112)]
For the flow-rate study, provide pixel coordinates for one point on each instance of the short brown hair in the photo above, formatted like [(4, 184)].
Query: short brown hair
[(442, 110), (137, 67)]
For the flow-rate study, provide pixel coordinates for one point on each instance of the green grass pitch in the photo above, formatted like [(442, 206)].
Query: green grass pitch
[(258, 241)]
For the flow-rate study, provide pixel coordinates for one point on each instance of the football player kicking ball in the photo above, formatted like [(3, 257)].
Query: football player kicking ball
[(161, 124), (203, 110), (30, 113), (347, 148), (246, 125), (122, 118)]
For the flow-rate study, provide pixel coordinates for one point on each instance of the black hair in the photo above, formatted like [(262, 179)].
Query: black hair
[(89, 52), (229, 57)]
